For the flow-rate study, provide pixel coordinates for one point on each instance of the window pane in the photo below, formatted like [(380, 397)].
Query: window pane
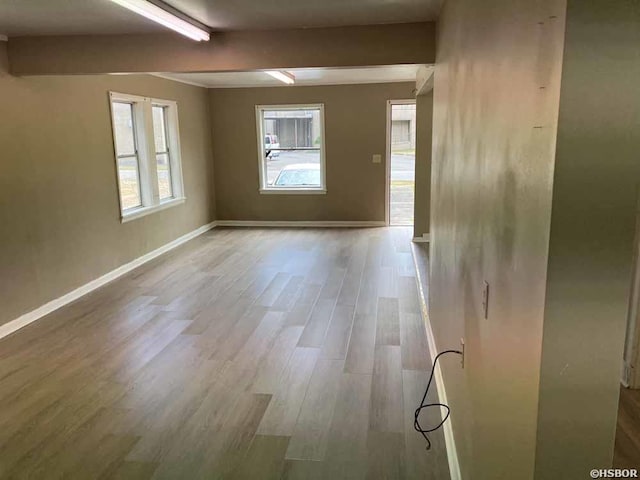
[(123, 128), (129, 182), (162, 148), (291, 128), (298, 168), (164, 176), (159, 128)]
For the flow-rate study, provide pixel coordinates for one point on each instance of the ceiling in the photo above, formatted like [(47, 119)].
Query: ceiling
[(266, 14), (74, 17), (304, 76), (70, 17)]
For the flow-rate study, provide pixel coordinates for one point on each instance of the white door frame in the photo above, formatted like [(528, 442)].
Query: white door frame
[(387, 176)]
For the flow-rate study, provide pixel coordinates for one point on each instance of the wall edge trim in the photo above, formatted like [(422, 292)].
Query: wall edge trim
[(449, 439), (49, 307), (300, 223)]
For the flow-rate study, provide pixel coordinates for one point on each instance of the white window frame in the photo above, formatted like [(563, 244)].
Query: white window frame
[(264, 188), (146, 150)]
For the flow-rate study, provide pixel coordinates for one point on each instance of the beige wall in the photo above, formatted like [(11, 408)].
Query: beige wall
[(595, 188), (424, 134), (4, 59), (59, 212), (227, 51), (355, 129), (495, 114)]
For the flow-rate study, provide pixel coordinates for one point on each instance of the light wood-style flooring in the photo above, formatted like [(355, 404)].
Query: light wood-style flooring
[(244, 354), (627, 450)]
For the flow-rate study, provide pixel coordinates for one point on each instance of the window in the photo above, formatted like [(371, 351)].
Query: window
[(291, 148), (146, 140), (127, 155), (162, 151)]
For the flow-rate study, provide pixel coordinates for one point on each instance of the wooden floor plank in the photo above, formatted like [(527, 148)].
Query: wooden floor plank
[(627, 445), (346, 455), (408, 295), (264, 460), (350, 288), (310, 435), (134, 470), (333, 284), (367, 302), (338, 334), (245, 353), (386, 391), (302, 470), (301, 310), (288, 295), (388, 282), (388, 322), (316, 328), (385, 455), (280, 418), (361, 351), (413, 340), (274, 289), (271, 369)]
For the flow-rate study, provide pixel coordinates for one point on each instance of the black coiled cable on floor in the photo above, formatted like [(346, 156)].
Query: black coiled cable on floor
[(423, 405)]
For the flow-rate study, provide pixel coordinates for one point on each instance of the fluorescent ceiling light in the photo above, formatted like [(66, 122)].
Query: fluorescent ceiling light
[(285, 77), (163, 17)]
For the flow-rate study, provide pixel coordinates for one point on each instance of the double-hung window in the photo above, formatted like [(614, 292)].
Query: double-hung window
[(128, 161), (147, 149), (291, 156)]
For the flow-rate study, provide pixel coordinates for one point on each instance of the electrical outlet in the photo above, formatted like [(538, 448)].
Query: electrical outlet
[(377, 158), (485, 300), (463, 352)]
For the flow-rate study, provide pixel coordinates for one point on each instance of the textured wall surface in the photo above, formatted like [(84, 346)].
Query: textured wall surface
[(424, 134), (59, 210), (592, 230), (496, 96), (355, 129)]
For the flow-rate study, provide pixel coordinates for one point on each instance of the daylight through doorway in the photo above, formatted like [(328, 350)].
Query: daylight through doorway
[(401, 175)]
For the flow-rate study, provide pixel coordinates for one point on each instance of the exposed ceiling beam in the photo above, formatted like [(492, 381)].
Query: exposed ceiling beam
[(424, 80), (373, 45)]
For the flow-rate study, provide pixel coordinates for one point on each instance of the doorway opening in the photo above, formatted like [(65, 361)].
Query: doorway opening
[(401, 161), (627, 444)]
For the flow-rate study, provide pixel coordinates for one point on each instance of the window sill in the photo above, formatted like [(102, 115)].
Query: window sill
[(293, 191), (144, 211)]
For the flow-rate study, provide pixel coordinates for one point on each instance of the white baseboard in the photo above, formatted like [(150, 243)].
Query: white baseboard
[(47, 308), (449, 440), (626, 374), (299, 223), (423, 239)]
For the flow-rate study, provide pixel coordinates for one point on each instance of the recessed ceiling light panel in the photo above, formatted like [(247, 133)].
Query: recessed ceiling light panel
[(163, 17), (283, 76)]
